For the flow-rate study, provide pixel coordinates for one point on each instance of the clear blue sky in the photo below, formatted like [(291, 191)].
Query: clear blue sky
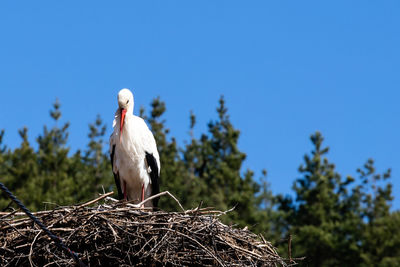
[(286, 68)]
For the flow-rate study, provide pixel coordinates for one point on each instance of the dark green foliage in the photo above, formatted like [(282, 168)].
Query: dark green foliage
[(341, 222), (50, 176), (334, 220), (98, 176)]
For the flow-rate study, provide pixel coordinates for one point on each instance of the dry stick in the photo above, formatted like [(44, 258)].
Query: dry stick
[(197, 210), (150, 198), (15, 212), (148, 242), (9, 214), (161, 194), (96, 200), (31, 249), (6, 214), (62, 229), (14, 227), (197, 242), (157, 244), (273, 252), (113, 231), (224, 212), (9, 205), (80, 206), (23, 213), (290, 249), (244, 250), (22, 246)]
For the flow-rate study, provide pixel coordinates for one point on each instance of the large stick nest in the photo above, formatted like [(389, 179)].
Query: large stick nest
[(120, 234)]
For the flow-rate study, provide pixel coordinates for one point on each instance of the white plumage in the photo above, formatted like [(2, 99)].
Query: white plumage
[(134, 156)]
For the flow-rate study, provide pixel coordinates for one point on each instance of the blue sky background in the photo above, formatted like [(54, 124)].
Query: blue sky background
[(286, 68)]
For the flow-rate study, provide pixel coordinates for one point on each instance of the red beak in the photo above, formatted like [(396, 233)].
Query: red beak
[(121, 127)]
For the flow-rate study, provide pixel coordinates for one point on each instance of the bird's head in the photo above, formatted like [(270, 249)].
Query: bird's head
[(125, 103), (125, 99)]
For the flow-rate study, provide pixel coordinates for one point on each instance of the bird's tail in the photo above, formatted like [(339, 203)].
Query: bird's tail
[(155, 179)]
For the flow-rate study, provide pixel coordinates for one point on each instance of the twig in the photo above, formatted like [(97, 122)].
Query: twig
[(198, 243), (197, 211), (7, 214), (113, 231), (95, 200), (155, 196), (31, 249), (290, 249)]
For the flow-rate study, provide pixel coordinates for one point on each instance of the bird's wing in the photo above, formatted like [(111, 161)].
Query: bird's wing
[(114, 168), (152, 158), (154, 176), (148, 142)]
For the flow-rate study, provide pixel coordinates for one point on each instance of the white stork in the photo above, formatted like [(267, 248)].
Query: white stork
[(134, 157)]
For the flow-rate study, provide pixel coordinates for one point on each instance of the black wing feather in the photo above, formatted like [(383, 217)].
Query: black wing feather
[(155, 179), (116, 175)]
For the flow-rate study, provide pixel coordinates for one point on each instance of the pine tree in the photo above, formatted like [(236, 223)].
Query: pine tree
[(338, 222), (315, 216), (4, 175), (380, 233), (22, 168), (18, 167), (3, 157), (3, 147), (55, 182), (215, 161), (98, 174), (269, 220)]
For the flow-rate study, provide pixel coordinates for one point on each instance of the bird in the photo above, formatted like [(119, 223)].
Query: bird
[(135, 160)]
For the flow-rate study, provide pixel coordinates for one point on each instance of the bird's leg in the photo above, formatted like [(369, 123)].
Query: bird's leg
[(142, 195), (125, 196)]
